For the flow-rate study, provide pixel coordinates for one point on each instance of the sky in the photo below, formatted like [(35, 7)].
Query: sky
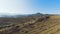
[(16, 7)]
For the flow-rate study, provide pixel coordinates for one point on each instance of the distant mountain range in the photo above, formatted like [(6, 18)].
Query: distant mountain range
[(17, 16), (22, 16)]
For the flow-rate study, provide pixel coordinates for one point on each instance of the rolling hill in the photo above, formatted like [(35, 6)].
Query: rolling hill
[(40, 24)]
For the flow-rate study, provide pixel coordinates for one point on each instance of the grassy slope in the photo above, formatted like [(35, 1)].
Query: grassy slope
[(50, 26)]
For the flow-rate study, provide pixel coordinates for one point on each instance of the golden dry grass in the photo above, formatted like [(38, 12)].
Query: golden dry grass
[(49, 26)]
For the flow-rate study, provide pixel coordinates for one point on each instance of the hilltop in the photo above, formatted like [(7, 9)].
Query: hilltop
[(31, 24)]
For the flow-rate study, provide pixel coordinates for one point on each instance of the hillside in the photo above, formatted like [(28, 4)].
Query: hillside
[(50, 26), (35, 25)]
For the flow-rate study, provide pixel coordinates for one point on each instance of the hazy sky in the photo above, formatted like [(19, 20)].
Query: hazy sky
[(12, 7)]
